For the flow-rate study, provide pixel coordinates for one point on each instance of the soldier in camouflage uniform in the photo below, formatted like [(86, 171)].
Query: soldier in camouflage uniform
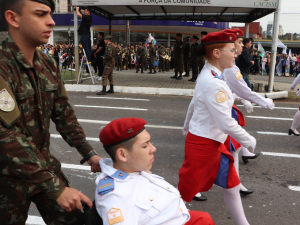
[(178, 57), (109, 64), (187, 56), (32, 92), (194, 59), (141, 57), (152, 55), (162, 55), (119, 53)]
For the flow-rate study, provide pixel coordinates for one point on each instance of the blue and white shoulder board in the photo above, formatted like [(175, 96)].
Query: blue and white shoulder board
[(105, 185)]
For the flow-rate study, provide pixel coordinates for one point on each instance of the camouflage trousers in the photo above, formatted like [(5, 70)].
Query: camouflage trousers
[(162, 63), (119, 62), (108, 73), (151, 64), (16, 212)]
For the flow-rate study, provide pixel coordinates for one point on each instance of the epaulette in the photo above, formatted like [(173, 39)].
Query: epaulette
[(105, 185)]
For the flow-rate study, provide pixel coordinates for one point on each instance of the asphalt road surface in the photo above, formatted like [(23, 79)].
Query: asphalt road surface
[(274, 176)]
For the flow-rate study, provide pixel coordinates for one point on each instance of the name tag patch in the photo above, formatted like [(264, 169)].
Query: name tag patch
[(238, 75), (221, 96), (114, 216)]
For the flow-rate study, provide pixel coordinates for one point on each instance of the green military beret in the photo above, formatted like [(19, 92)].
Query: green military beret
[(107, 37), (49, 3)]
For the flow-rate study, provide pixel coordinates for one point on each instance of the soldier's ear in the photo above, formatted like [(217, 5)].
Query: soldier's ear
[(122, 154), (12, 18)]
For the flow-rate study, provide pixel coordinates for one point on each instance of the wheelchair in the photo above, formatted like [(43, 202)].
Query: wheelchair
[(89, 216)]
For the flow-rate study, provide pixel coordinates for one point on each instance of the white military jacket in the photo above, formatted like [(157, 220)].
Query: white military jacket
[(235, 81), (138, 198), (209, 113)]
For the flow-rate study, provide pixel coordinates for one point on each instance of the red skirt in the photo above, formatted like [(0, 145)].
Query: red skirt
[(206, 162), (198, 217)]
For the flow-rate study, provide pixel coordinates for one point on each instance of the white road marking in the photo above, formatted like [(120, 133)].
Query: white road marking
[(88, 138), (281, 154), (150, 126), (76, 167), (132, 99), (109, 107), (35, 220), (294, 188), (274, 107), (272, 133), (268, 118)]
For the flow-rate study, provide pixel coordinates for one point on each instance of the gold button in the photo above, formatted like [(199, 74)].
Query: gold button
[(181, 210), (153, 181), (168, 188), (180, 196), (151, 199)]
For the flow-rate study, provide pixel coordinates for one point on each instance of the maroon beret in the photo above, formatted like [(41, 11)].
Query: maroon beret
[(121, 130), (237, 32), (218, 37)]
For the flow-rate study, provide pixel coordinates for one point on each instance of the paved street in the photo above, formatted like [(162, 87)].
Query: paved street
[(271, 177)]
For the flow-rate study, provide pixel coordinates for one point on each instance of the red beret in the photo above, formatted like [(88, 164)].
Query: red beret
[(218, 37), (121, 130), (237, 32)]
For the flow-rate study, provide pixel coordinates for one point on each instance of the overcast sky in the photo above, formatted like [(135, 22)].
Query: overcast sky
[(289, 18)]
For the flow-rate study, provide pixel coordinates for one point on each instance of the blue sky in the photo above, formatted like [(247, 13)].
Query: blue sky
[(289, 18)]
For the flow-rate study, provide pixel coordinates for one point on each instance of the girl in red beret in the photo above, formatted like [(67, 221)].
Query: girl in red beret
[(207, 125)]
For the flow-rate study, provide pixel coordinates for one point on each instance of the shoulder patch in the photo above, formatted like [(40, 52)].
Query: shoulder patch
[(221, 97), (114, 216), (7, 104), (238, 75), (105, 185)]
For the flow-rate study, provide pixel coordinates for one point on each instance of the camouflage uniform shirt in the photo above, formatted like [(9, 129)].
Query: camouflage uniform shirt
[(36, 95)]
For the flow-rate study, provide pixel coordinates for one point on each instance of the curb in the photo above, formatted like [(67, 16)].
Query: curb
[(139, 90), (156, 91)]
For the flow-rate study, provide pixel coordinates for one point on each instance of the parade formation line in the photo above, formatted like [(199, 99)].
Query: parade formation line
[(132, 99), (109, 107), (273, 133)]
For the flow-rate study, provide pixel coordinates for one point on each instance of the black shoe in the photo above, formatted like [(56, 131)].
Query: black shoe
[(117, 69), (186, 75), (201, 198), (159, 71), (292, 132), (142, 72), (192, 80), (248, 192), (245, 158), (179, 78), (154, 72), (103, 92), (149, 73), (137, 71), (175, 77)]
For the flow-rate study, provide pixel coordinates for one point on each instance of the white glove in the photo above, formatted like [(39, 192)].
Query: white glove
[(253, 144), (271, 104), (248, 106), (298, 93)]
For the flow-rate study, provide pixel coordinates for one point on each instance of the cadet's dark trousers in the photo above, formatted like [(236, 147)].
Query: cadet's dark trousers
[(167, 64), (151, 65), (125, 62), (187, 66), (162, 64), (119, 62), (178, 64), (129, 62), (140, 63), (194, 65), (100, 66)]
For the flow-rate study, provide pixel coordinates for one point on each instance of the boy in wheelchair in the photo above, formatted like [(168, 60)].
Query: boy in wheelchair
[(127, 193)]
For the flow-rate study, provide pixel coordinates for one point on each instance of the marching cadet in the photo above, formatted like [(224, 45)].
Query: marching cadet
[(152, 55), (32, 96), (109, 62), (127, 192), (178, 57), (162, 55), (141, 56), (119, 53), (194, 59), (187, 56)]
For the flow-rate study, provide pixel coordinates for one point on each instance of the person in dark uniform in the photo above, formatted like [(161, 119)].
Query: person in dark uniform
[(119, 52), (162, 55), (201, 57), (141, 56), (100, 51), (178, 57), (187, 56), (152, 55), (194, 59)]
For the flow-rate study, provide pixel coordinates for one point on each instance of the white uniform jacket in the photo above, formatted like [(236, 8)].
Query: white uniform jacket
[(137, 199), (235, 81), (209, 113), (296, 81)]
